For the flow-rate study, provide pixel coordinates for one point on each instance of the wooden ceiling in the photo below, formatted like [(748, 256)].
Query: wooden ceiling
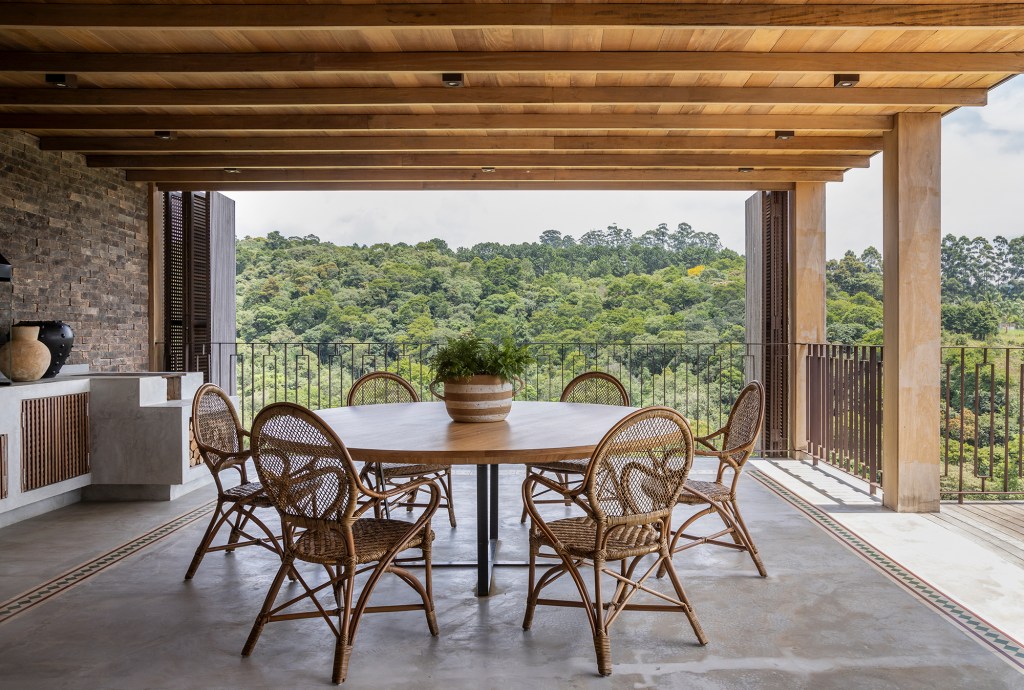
[(596, 95)]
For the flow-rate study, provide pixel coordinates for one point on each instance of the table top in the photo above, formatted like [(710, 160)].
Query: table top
[(423, 432)]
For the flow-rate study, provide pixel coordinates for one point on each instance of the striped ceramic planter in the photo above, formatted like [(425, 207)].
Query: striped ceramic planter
[(478, 398)]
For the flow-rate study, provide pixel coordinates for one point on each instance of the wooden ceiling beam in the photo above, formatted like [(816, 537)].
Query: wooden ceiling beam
[(482, 160), (458, 174), (476, 186), (462, 122), (457, 143), (516, 95), (527, 62), (164, 16)]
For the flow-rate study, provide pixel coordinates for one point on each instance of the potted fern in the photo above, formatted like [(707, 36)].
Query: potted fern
[(480, 378)]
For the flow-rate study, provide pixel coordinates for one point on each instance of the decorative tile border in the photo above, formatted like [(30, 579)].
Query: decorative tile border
[(62, 583), (985, 633)]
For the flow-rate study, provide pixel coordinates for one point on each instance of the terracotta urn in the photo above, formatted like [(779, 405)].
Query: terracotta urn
[(479, 398), (24, 357)]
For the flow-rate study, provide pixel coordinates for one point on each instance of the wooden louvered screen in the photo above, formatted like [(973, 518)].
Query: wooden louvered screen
[(775, 321), (187, 290), (174, 281), (54, 439), (3, 465)]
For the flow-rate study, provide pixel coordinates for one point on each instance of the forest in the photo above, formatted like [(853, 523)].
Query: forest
[(663, 286)]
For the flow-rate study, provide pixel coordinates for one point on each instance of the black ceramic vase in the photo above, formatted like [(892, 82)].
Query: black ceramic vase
[(58, 338)]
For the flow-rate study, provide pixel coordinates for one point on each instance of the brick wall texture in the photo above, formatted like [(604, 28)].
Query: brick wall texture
[(79, 242)]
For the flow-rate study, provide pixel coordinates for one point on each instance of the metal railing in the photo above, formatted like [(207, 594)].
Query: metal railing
[(701, 380), (844, 409), (982, 422), (982, 446)]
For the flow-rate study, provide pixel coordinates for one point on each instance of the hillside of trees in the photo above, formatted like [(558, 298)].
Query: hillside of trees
[(664, 286), (982, 293), (667, 285)]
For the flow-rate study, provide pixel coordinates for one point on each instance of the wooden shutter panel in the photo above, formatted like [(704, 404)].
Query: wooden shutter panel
[(174, 281), (775, 325), (187, 290)]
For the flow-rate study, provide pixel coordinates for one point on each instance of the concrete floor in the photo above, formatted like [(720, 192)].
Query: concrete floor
[(824, 618)]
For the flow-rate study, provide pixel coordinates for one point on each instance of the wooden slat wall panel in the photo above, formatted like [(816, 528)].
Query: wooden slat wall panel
[(54, 439)]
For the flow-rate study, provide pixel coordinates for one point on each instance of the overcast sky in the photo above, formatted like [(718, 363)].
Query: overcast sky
[(982, 182)]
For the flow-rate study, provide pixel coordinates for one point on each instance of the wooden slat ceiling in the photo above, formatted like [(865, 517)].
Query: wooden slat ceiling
[(556, 95)]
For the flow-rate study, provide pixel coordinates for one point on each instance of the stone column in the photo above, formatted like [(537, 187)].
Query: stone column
[(806, 297), (912, 322)]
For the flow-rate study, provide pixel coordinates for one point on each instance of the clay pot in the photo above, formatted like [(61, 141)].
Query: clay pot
[(58, 338), (24, 358), (477, 398)]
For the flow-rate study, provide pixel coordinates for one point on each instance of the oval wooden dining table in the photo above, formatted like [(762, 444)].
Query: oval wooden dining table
[(423, 433)]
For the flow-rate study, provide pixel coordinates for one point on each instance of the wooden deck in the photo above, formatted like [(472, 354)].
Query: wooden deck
[(997, 526)]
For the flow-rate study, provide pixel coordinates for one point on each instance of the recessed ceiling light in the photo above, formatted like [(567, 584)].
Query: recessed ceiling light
[(62, 81), (232, 171), (783, 134), (845, 81), (487, 169), (452, 80), (165, 134), (746, 170)]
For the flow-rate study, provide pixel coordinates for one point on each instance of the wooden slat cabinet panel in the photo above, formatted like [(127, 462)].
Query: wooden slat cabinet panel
[(54, 439)]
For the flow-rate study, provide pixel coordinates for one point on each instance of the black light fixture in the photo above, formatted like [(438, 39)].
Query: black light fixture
[(62, 81), (6, 271), (784, 134), (165, 134), (487, 169), (232, 171), (845, 81), (452, 80), (746, 170)]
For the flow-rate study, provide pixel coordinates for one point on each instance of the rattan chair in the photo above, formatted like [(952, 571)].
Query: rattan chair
[(735, 443), (311, 480), (220, 441), (594, 387), (380, 387), (629, 489)]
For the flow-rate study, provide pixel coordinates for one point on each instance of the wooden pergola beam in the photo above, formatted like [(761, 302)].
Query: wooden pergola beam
[(121, 122), (520, 15), (457, 143), (482, 160), (469, 175), (477, 186), (516, 95), (647, 62)]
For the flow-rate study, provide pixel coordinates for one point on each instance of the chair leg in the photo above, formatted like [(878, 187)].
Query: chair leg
[(343, 647), (522, 518), (531, 593), (446, 485), (218, 519), (261, 620), (602, 643), (681, 595), (740, 529)]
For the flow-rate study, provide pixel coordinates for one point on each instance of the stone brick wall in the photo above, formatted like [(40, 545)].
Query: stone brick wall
[(79, 242)]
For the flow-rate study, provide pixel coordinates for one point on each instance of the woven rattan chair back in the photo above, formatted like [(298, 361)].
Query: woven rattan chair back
[(596, 388), (215, 423), (305, 469), (640, 466), (380, 387), (744, 425)]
